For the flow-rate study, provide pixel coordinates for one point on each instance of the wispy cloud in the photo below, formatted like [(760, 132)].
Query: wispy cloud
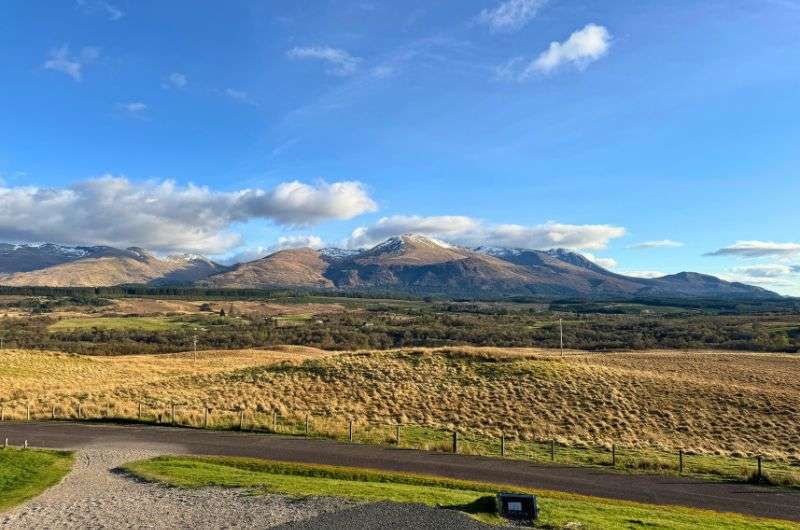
[(644, 274), (581, 48), (472, 232), (175, 80), (61, 60), (661, 243), (133, 107), (100, 6), (339, 62), (765, 271), (511, 15), (166, 217), (757, 249), (239, 95)]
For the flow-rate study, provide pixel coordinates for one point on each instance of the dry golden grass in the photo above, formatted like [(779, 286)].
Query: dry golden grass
[(705, 402)]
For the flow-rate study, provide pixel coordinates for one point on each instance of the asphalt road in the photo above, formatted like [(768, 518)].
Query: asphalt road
[(720, 496)]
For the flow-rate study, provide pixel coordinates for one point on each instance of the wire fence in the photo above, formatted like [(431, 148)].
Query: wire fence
[(755, 468)]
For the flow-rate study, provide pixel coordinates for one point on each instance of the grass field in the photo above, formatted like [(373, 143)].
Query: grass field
[(709, 405), (25, 473), (117, 323), (558, 510)]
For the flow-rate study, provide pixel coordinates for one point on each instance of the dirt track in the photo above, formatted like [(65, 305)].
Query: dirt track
[(730, 497)]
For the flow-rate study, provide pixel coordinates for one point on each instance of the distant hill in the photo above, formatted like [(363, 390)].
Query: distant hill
[(408, 264), (57, 266)]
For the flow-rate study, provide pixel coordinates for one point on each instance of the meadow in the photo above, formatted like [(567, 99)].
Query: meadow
[(706, 404)]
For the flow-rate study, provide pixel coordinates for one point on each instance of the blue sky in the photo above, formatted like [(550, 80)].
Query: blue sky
[(656, 136)]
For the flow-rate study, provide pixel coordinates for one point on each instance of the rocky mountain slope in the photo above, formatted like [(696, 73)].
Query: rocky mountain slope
[(421, 265), (408, 264)]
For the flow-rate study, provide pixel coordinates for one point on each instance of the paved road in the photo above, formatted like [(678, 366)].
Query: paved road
[(730, 497)]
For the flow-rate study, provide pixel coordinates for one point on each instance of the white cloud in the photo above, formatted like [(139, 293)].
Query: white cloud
[(606, 263), (283, 243), (511, 15), (661, 243), (470, 232), (765, 271), (133, 107), (100, 6), (339, 61), (165, 217), (644, 274), (581, 48), (60, 60), (240, 96), (757, 249), (176, 80)]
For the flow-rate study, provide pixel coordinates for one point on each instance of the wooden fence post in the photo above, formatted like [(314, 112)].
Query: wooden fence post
[(397, 434), (552, 449), (28, 411), (274, 421), (350, 430), (139, 412), (205, 416), (3, 413), (680, 461), (503, 444), (307, 425), (54, 412), (172, 413), (613, 455), (80, 410), (455, 441), (758, 475), (241, 420)]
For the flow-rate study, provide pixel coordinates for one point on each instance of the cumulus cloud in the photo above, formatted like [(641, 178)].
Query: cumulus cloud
[(339, 61), (470, 232), (100, 6), (606, 263), (581, 48), (61, 60), (166, 217), (283, 243), (511, 15), (661, 243), (757, 249)]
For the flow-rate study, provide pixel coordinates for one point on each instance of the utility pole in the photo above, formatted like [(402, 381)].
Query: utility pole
[(561, 335)]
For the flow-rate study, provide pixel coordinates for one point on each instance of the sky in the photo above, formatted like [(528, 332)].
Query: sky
[(653, 136)]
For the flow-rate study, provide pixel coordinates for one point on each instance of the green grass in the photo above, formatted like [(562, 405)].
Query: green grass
[(117, 323), (474, 498), (25, 473)]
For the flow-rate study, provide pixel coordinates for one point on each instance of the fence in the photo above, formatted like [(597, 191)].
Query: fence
[(755, 468)]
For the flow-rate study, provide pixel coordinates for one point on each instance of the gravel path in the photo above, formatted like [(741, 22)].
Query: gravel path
[(93, 495)]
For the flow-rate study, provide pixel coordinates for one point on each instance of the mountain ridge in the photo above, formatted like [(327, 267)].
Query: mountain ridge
[(407, 264)]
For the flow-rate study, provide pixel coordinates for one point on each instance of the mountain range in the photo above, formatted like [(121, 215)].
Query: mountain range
[(408, 264)]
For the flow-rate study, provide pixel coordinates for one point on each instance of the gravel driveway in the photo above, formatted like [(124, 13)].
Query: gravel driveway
[(94, 495)]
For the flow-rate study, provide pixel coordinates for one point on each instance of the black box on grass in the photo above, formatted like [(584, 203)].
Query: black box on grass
[(517, 506)]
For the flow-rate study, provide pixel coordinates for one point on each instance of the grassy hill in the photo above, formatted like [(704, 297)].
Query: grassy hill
[(712, 403)]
